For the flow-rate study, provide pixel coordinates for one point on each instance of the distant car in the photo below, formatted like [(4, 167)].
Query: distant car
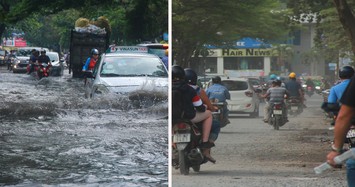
[(57, 64), (2, 57), (244, 99), (128, 70), (23, 58)]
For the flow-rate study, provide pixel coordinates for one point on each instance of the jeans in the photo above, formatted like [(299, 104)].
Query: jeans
[(350, 172)]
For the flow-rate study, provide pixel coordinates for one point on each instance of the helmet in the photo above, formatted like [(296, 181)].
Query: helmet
[(277, 82), (178, 73), (94, 51), (43, 51), (190, 76), (292, 75), (346, 72), (216, 79), (272, 76)]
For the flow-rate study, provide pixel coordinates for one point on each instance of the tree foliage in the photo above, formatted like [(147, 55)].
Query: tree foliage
[(196, 23), (332, 40), (48, 23)]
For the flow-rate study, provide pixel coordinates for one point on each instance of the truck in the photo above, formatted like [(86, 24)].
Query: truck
[(81, 44)]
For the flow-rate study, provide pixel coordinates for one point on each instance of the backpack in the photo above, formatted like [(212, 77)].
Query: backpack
[(177, 104)]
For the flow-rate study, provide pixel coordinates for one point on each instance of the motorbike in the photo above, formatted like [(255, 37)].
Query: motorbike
[(40, 70), (294, 106), (309, 91), (186, 138), (220, 115), (277, 118), (43, 70)]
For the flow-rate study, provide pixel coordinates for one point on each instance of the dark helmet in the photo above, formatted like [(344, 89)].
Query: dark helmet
[(178, 73), (190, 76), (216, 79), (94, 51), (43, 51), (346, 72), (277, 82)]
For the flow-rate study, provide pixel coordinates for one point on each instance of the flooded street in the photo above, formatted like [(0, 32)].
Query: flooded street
[(51, 135)]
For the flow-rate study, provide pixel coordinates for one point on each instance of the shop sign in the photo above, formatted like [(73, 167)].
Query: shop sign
[(248, 52)]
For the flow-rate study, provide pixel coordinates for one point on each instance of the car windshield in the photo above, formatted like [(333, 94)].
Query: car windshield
[(132, 66), (24, 52), (235, 85), (2, 53), (254, 82), (53, 56)]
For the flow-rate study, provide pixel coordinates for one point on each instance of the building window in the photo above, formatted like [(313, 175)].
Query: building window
[(243, 63)]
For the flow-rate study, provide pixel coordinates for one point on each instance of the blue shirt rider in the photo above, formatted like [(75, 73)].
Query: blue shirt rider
[(217, 90), (336, 92), (220, 93)]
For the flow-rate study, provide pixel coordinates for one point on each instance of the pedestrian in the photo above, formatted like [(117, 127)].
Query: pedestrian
[(342, 126)]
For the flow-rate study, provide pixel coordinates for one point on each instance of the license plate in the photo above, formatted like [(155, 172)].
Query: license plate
[(277, 111), (177, 138), (351, 133), (294, 107)]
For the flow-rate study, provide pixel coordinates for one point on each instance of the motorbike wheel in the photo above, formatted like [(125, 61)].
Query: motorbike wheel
[(277, 122), (184, 168), (196, 168)]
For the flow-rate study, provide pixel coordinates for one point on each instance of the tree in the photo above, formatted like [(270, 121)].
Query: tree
[(332, 38), (196, 23), (50, 24)]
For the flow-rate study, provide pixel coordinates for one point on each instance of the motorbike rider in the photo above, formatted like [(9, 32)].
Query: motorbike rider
[(275, 94), (43, 58), (194, 110), (33, 60), (342, 126), (219, 93), (310, 83), (345, 74), (90, 63), (294, 88), (191, 79)]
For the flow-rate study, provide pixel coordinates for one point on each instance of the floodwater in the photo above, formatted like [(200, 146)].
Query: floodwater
[(51, 135)]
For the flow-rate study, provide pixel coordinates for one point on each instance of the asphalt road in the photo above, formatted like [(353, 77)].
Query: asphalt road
[(250, 153)]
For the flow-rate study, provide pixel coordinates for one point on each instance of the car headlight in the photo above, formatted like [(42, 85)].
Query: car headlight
[(101, 89)]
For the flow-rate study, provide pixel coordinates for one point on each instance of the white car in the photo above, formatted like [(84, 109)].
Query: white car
[(244, 99), (126, 71), (57, 64)]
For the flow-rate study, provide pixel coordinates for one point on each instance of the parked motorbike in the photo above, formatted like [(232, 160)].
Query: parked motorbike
[(277, 118), (294, 106)]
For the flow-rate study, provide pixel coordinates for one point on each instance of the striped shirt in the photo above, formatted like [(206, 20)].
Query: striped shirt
[(276, 94)]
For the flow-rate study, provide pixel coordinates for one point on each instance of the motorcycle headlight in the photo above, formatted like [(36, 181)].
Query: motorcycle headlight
[(101, 89), (318, 87), (304, 86)]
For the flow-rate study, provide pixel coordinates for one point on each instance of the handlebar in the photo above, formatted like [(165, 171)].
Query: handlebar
[(338, 160)]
